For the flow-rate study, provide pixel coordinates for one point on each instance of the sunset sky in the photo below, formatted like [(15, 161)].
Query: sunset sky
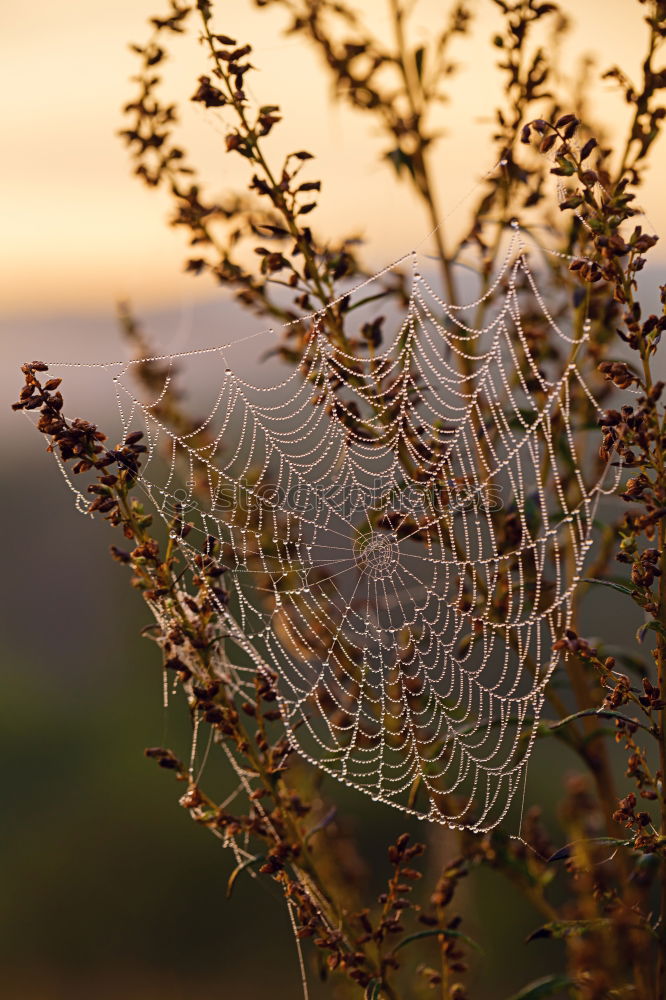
[(79, 232)]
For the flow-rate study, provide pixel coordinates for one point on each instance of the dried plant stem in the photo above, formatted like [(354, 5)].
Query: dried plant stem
[(661, 634), (305, 867), (661, 684), (421, 169), (639, 107), (324, 294)]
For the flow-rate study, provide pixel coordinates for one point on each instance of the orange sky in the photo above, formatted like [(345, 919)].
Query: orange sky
[(79, 232)]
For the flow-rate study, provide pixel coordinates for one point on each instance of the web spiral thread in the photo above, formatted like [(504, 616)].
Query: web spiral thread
[(402, 533)]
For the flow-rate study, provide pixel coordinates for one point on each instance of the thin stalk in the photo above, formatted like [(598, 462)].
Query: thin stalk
[(647, 70), (335, 914), (312, 270), (661, 684), (421, 169)]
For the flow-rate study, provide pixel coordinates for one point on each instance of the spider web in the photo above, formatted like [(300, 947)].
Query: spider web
[(402, 536)]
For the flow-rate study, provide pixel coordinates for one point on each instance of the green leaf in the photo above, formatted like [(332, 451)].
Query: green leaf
[(564, 168), (433, 932), (238, 869), (559, 929), (654, 625), (565, 852), (372, 990), (547, 987), (609, 583), (599, 713), (574, 202)]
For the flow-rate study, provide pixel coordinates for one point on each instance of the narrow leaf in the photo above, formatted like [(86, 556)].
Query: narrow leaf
[(558, 929), (599, 713), (655, 626), (565, 852), (433, 932), (587, 149), (275, 230), (609, 583), (372, 990), (238, 869), (547, 987)]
